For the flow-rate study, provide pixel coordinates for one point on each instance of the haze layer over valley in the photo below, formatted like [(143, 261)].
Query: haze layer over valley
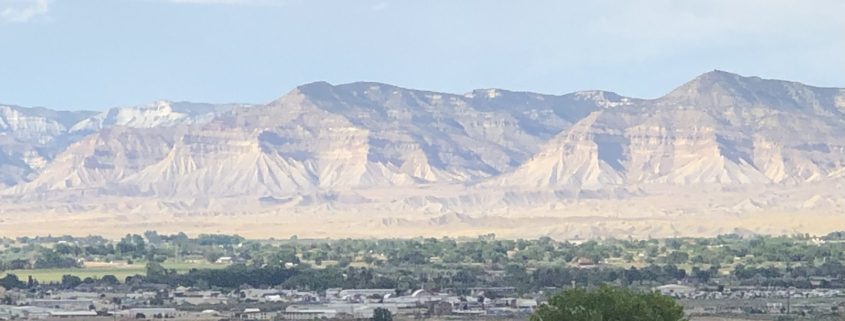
[(722, 153)]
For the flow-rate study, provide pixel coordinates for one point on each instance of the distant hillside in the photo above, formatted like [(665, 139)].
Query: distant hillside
[(721, 144)]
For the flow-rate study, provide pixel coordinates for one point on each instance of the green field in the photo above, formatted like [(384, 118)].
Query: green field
[(120, 271)]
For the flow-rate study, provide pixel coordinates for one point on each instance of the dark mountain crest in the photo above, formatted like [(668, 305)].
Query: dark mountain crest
[(720, 89)]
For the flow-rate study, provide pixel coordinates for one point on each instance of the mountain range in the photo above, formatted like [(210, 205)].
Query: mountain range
[(719, 153)]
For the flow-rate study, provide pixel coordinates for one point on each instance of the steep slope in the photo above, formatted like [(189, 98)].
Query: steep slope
[(571, 159), (364, 156), (438, 137), (221, 164), (321, 137), (100, 160), (30, 138), (273, 151), (720, 128)]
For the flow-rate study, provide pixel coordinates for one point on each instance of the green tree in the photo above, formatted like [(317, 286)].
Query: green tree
[(156, 271), (109, 279), (517, 276), (677, 257), (11, 281), (382, 314), (609, 304), (70, 281), (51, 259)]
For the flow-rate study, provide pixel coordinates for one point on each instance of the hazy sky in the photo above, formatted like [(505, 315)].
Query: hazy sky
[(94, 54)]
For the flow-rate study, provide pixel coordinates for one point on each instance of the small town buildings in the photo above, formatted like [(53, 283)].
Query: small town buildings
[(254, 314), (8, 312), (149, 313), (332, 310), (73, 314), (676, 290), (63, 304), (352, 294)]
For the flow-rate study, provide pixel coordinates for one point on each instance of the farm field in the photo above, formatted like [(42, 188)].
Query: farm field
[(97, 270)]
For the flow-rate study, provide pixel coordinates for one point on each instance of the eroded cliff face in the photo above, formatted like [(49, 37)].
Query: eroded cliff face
[(315, 139), (377, 148), (96, 162), (31, 138), (717, 129)]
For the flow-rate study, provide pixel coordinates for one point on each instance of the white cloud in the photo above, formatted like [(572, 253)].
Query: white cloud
[(22, 10)]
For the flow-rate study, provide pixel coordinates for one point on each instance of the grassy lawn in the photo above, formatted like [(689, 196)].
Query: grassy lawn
[(121, 271)]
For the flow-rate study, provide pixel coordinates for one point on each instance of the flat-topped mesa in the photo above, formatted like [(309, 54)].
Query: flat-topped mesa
[(720, 128), (161, 113), (24, 122), (393, 146)]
